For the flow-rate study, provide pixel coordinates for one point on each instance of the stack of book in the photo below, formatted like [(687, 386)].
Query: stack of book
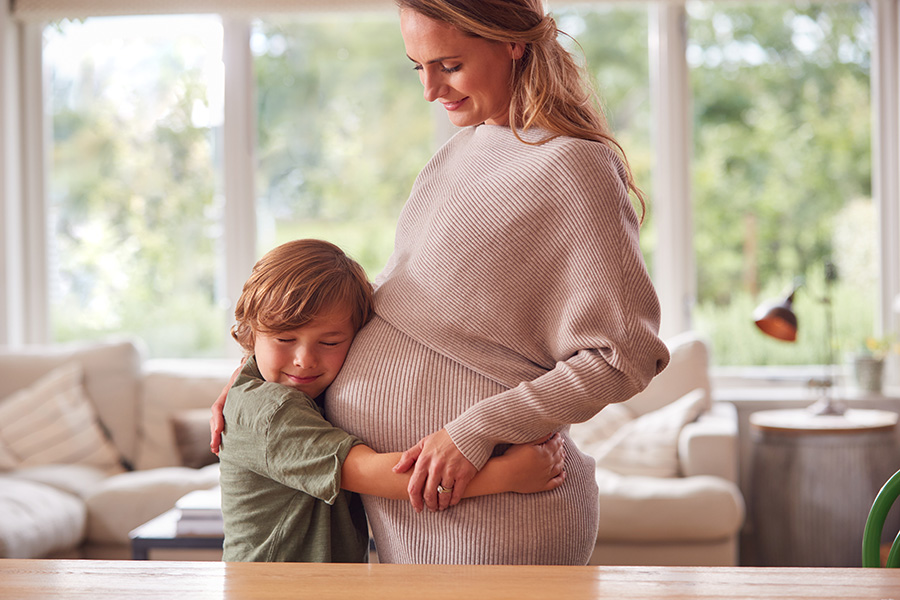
[(200, 513)]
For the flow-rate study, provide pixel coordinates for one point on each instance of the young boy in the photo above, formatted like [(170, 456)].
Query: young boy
[(282, 464)]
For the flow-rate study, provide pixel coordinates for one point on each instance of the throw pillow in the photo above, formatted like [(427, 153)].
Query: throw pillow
[(191, 429), (8, 462), (648, 445), (53, 422), (600, 427)]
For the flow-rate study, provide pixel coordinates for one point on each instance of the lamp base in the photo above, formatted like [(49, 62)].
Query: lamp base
[(825, 405)]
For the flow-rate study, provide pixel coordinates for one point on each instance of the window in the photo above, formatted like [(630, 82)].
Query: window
[(782, 173), (134, 180), (776, 139), (343, 131)]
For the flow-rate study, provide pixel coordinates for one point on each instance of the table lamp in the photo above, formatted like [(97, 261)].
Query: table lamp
[(776, 318)]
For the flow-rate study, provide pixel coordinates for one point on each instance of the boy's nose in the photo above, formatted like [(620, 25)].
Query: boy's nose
[(305, 358)]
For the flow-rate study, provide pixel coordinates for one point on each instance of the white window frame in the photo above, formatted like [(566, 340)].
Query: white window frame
[(24, 301)]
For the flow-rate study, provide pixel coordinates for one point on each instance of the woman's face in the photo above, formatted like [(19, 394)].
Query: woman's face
[(468, 75)]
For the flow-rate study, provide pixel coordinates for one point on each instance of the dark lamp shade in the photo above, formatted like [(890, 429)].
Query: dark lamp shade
[(777, 319)]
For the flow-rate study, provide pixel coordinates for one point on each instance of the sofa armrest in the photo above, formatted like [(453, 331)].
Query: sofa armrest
[(708, 446)]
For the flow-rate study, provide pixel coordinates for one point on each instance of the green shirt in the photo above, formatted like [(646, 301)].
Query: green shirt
[(280, 470)]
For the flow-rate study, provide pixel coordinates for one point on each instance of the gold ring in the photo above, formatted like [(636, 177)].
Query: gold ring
[(444, 490)]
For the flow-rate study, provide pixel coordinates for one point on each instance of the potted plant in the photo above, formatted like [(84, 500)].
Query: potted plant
[(868, 363)]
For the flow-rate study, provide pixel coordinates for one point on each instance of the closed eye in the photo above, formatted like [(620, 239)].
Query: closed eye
[(443, 68)]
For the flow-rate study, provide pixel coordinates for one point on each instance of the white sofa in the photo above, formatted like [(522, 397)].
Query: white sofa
[(87, 507), (667, 463), (689, 515)]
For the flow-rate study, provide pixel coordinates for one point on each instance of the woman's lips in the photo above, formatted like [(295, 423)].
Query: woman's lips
[(451, 106)]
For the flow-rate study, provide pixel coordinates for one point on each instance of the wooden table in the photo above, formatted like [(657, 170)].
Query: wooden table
[(135, 580)]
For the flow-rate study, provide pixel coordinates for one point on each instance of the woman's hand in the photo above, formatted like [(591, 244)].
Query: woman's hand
[(536, 467), (217, 420), (438, 462)]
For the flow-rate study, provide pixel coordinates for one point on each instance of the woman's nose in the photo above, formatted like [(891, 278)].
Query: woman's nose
[(434, 86)]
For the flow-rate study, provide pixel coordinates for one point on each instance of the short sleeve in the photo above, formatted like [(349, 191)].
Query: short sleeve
[(305, 452)]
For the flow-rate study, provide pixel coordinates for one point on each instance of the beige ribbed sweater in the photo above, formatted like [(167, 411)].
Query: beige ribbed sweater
[(516, 302)]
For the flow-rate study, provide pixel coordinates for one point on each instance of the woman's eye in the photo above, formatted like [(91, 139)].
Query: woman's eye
[(451, 69)]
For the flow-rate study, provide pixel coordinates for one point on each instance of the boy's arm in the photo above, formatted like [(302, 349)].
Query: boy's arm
[(525, 468)]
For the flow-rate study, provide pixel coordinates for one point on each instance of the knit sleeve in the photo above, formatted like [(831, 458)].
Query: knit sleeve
[(597, 318)]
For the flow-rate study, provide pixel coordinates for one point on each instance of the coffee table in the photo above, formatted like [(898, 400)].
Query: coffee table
[(162, 533)]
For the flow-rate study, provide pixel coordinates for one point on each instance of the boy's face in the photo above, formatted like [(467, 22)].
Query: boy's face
[(307, 358)]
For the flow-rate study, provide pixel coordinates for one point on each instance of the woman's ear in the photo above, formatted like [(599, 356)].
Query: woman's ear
[(516, 50)]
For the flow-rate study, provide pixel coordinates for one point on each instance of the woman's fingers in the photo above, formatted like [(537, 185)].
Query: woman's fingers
[(440, 464), (408, 459), (416, 487)]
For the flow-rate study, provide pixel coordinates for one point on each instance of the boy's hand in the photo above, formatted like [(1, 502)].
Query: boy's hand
[(536, 467)]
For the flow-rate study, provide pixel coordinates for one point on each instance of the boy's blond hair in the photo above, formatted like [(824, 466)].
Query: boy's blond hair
[(295, 283)]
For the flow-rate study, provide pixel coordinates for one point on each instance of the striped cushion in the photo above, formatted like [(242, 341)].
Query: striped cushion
[(53, 422), (8, 462)]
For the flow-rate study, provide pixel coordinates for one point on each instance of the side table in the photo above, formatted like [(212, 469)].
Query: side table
[(814, 480)]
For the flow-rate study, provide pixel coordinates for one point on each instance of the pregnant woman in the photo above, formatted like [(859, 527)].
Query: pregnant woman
[(516, 301)]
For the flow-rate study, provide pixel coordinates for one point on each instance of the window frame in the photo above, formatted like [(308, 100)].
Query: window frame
[(24, 302)]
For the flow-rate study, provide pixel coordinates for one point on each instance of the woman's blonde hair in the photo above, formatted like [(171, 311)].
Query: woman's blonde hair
[(295, 283), (549, 89)]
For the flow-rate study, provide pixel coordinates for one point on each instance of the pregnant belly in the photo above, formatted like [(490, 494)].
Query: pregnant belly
[(393, 390)]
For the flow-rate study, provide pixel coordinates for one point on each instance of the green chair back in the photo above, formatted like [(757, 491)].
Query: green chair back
[(871, 545)]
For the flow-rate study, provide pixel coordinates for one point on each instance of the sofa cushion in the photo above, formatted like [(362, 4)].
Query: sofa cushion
[(8, 461), (111, 380), (648, 445), (53, 422), (650, 509), (601, 427), (688, 370), (37, 520), (124, 501), (79, 480), (191, 429), (168, 390)]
